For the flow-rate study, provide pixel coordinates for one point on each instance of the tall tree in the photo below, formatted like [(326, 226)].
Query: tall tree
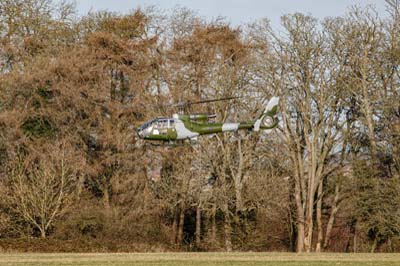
[(306, 78)]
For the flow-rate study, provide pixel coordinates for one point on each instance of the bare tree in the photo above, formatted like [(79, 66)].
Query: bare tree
[(311, 113), (41, 192)]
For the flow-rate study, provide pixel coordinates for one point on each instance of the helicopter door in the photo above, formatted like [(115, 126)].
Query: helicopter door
[(171, 129), (163, 127)]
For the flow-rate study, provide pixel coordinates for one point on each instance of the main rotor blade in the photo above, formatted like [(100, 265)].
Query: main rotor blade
[(214, 100), (188, 103)]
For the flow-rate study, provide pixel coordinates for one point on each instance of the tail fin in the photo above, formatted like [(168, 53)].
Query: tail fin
[(268, 118)]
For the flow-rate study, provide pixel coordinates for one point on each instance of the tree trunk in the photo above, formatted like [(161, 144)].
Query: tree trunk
[(228, 236), (80, 185), (319, 218), (106, 198), (374, 244), (308, 233), (300, 218), (198, 226), (300, 238), (331, 218), (238, 179), (213, 225), (238, 192), (355, 239), (180, 226), (42, 233), (312, 180), (174, 227), (291, 230), (227, 229), (366, 106)]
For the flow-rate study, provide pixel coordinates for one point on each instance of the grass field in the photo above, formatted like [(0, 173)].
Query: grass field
[(206, 259)]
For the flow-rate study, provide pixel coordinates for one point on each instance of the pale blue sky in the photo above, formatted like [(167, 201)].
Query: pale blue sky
[(237, 11)]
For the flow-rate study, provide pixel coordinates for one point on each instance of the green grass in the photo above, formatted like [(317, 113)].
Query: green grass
[(199, 259)]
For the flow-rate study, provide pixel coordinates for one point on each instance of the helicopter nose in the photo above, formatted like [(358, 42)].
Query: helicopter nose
[(139, 133)]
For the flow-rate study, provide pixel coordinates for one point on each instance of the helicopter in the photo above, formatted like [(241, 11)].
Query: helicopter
[(190, 126)]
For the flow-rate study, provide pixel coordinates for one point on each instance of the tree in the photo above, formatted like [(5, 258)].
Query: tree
[(32, 27), (376, 206), (305, 75), (41, 192)]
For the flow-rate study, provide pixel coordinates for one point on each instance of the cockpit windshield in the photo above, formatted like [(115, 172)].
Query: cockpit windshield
[(147, 124), (158, 126)]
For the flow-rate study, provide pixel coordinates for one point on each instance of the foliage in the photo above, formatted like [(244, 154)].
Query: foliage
[(377, 206)]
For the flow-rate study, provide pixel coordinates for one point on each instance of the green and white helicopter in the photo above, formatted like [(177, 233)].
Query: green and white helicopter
[(190, 126)]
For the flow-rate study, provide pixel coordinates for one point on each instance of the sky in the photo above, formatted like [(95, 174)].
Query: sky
[(238, 12)]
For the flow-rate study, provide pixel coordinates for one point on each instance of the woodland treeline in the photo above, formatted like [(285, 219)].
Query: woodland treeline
[(74, 88)]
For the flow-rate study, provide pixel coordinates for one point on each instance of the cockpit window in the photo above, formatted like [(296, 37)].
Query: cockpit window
[(158, 123), (162, 123), (147, 124)]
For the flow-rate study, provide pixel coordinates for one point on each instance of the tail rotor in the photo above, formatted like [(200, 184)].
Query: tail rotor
[(268, 118)]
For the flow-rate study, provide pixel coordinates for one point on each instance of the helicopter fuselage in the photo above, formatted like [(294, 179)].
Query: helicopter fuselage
[(170, 129), (182, 127)]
